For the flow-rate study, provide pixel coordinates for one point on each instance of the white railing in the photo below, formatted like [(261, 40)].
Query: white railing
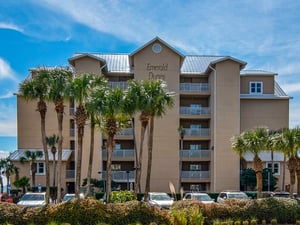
[(191, 87), (120, 176), (195, 153), (120, 153), (184, 110), (197, 131), (119, 84), (194, 174)]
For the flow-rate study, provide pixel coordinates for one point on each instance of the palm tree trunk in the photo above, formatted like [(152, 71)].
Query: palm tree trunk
[(140, 157), (110, 144), (89, 172), (54, 169), (283, 173), (1, 183), (258, 168), (150, 148), (43, 132), (80, 132), (60, 116), (292, 166)]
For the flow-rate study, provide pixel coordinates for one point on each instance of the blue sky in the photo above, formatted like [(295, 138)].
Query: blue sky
[(264, 33)]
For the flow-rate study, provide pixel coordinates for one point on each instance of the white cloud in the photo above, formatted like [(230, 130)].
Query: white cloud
[(11, 26), (6, 72), (8, 123)]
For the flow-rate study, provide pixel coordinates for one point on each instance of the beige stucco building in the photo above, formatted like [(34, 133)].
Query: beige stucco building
[(215, 99)]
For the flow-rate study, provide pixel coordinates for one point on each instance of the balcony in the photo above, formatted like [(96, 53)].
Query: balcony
[(197, 132), (194, 87), (125, 132), (193, 154), (121, 84), (120, 154), (70, 174), (195, 174), (121, 176), (185, 110)]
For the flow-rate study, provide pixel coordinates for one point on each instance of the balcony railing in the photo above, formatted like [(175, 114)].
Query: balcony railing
[(70, 173), (197, 131), (125, 132), (194, 111), (194, 174), (194, 87), (120, 84), (195, 154), (120, 176), (123, 153)]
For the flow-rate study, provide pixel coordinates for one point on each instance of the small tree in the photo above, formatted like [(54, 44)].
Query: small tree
[(23, 183)]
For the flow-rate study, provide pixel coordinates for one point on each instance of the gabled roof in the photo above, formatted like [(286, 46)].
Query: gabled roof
[(18, 154), (82, 55), (161, 41), (224, 58)]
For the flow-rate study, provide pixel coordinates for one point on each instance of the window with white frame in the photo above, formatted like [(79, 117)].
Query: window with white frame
[(276, 167), (256, 87)]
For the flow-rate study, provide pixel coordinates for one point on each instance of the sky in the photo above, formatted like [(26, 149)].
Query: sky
[(263, 33)]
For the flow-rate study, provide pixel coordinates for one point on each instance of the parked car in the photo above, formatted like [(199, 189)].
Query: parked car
[(69, 197), (160, 199), (202, 197), (33, 199), (5, 197), (231, 194)]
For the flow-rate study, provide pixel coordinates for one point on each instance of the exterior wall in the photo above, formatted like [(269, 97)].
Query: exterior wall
[(256, 113), (268, 83), (87, 65), (226, 162), (165, 162)]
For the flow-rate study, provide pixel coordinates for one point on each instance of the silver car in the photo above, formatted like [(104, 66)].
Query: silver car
[(231, 195), (33, 199), (160, 199), (202, 197)]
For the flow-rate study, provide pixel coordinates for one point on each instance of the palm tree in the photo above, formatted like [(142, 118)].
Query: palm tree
[(36, 88), (290, 145), (96, 81), (58, 83), (109, 105), (157, 101), (253, 141), (52, 141), (23, 183), (31, 156), (8, 168)]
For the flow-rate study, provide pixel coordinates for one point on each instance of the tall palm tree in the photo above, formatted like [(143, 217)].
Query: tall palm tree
[(58, 83), (97, 81), (290, 146), (31, 156), (157, 100), (110, 107), (36, 88), (52, 141), (9, 168), (253, 141)]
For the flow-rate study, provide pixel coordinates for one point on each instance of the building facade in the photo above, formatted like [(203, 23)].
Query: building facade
[(215, 100)]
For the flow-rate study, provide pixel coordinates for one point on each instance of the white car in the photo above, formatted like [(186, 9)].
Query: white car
[(160, 199), (231, 194), (33, 199), (202, 197), (69, 197)]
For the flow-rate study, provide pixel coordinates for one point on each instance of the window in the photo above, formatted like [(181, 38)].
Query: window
[(256, 87), (195, 147), (117, 146), (195, 167), (116, 167), (276, 167), (195, 109), (40, 168)]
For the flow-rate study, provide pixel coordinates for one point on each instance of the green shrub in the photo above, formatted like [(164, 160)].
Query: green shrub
[(121, 196)]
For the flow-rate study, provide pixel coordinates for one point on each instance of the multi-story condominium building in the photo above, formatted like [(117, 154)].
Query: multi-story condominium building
[(215, 100)]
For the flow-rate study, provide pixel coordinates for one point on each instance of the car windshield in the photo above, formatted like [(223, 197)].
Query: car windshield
[(160, 197), (237, 195), (33, 197), (202, 197), (68, 197)]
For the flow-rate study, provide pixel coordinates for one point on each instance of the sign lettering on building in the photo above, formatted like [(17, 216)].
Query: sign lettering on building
[(157, 71)]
